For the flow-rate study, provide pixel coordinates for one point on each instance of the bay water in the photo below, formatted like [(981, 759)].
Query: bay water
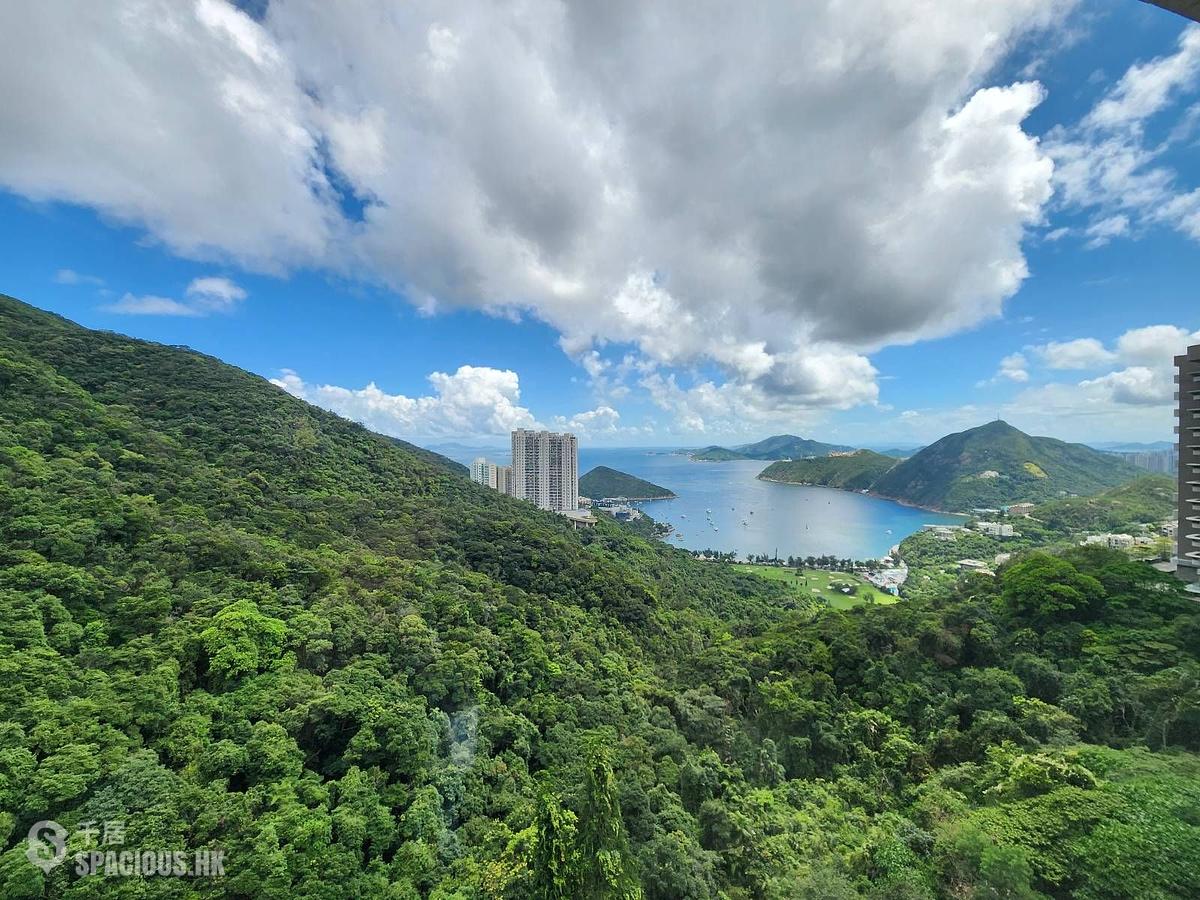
[(724, 506)]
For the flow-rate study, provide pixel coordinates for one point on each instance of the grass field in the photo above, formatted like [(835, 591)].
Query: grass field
[(815, 583)]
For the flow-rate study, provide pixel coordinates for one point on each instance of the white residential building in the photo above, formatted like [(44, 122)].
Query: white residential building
[(545, 469), (995, 529), (489, 474), (1111, 541), (483, 472)]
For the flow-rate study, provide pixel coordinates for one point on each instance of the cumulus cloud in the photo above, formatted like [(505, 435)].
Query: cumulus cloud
[(1136, 395), (204, 296), (474, 401), (777, 190), (183, 118), (1014, 367), (727, 408), (1082, 353), (601, 423), (215, 294), (1154, 345), (1136, 385)]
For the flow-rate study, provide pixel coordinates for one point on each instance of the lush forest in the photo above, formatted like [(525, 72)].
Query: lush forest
[(991, 465), (605, 483), (232, 620), (857, 471), (1150, 498)]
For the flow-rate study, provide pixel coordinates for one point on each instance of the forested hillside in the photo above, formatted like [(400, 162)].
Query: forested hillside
[(857, 471), (603, 482), (996, 464), (229, 619)]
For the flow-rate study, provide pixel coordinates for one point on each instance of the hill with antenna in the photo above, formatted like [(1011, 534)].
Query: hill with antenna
[(989, 466), (995, 464)]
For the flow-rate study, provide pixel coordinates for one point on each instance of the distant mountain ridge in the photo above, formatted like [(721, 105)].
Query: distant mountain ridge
[(988, 466), (605, 483), (779, 446)]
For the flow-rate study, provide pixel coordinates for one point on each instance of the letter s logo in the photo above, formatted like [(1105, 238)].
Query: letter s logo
[(47, 844)]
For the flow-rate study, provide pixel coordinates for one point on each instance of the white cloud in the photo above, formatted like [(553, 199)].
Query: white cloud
[(204, 296), (1104, 230), (1136, 385), (182, 118), (1147, 88), (215, 294), (625, 174), (474, 401), (1083, 353), (1135, 400), (1109, 167), (1014, 367), (150, 305), (601, 423), (71, 277), (1155, 345), (792, 402)]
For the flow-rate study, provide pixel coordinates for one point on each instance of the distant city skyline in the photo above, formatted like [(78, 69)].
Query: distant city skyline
[(998, 218)]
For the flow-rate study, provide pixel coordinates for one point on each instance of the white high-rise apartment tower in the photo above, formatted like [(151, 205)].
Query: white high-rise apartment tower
[(545, 469), (483, 472)]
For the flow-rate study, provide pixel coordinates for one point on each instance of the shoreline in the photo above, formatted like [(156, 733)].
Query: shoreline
[(908, 503), (637, 499)]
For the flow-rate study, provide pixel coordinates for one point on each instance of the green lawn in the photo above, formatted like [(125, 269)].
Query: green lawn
[(815, 583)]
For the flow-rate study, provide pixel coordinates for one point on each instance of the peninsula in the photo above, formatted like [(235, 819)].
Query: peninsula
[(603, 483)]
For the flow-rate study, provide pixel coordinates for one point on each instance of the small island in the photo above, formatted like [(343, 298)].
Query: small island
[(603, 483)]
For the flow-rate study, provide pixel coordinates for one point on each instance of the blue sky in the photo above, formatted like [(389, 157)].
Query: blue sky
[(898, 236)]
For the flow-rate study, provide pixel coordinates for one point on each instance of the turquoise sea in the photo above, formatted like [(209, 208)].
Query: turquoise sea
[(752, 516)]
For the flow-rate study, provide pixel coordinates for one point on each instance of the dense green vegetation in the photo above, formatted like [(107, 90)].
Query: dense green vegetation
[(780, 446), (229, 619), (856, 472), (996, 464), (1149, 499), (1137, 508), (992, 465), (603, 482)]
